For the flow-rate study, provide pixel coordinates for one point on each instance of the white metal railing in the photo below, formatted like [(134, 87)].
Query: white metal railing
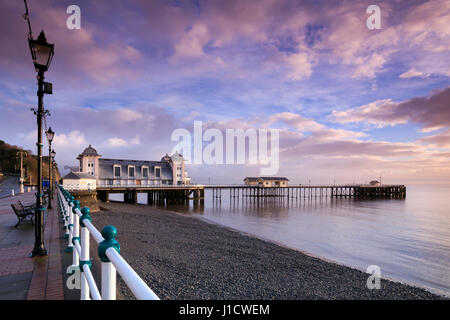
[(79, 227)]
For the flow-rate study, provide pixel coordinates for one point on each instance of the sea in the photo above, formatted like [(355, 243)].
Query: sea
[(407, 239)]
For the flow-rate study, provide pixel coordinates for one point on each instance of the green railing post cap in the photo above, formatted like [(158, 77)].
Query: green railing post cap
[(109, 233), (83, 262), (85, 215), (76, 205)]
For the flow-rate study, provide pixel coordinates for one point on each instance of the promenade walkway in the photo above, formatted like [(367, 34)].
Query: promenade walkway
[(22, 277)]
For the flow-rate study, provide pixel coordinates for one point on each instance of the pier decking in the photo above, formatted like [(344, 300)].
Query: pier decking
[(312, 191), (184, 193)]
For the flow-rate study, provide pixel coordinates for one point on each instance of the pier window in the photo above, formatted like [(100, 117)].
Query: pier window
[(145, 172), (157, 172), (116, 171), (131, 171)]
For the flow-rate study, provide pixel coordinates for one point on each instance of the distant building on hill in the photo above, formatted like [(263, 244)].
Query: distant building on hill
[(266, 181), (375, 183), (170, 170)]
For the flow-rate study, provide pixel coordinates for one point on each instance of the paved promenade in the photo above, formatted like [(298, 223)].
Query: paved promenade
[(22, 277)]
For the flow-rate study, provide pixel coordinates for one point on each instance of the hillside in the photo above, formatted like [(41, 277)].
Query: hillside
[(10, 163)]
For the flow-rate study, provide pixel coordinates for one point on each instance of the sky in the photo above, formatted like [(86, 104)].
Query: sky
[(351, 104)]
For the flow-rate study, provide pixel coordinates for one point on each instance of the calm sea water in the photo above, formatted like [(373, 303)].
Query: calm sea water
[(408, 239)]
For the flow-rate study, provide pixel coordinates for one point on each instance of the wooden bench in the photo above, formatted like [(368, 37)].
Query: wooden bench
[(23, 213)]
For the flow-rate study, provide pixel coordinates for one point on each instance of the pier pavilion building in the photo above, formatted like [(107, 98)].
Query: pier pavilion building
[(266, 181), (170, 170)]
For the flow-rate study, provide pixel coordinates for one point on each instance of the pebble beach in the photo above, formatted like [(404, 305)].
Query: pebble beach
[(183, 257)]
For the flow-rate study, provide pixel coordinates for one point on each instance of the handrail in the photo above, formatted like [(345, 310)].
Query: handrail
[(90, 279), (131, 278), (94, 232), (74, 219)]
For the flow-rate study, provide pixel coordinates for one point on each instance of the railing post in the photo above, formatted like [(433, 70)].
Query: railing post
[(62, 205), (84, 259), (70, 228), (75, 232), (66, 215), (109, 233)]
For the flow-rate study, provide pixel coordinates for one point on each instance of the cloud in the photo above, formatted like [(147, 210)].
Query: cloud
[(114, 143), (117, 142), (421, 29), (191, 44), (233, 37), (127, 115), (369, 66), (412, 73), (431, 112), (136, 140), (294, 120), (73, 139), (301, 64), (440, 140), (314, 150), (302, 125), (126, 86), (80, 55)]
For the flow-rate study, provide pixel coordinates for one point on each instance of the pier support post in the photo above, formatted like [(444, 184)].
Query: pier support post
[(130, 197)]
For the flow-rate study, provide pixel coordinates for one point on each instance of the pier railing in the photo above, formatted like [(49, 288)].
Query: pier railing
[(149, 186), (78, 226)]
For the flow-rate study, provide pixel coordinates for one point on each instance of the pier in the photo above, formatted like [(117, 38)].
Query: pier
[(182, 194), (311, 191)]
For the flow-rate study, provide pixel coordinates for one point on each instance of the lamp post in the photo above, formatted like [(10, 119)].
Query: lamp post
[(21, 154), (42, 54), (50, 134)]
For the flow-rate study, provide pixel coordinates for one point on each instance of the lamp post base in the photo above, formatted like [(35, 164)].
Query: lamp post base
[(39, 252), (39, 246)]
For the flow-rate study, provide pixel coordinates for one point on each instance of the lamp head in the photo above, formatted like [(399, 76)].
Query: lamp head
[(50, 135), (41, 52)]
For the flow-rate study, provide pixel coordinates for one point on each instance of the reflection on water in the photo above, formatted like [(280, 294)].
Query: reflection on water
[(409, 239)]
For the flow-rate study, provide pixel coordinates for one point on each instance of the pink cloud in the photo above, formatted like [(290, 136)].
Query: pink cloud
[(441, 140), (432, 112)]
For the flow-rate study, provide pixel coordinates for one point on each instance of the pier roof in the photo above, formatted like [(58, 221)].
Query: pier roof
[(89, 151), (275, 178), (78, 175), (253, 179)]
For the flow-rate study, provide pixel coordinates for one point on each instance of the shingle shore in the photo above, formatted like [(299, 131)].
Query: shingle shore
[(181, 257)]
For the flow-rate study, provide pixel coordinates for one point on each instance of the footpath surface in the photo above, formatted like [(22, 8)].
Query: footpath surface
[(23, 277)]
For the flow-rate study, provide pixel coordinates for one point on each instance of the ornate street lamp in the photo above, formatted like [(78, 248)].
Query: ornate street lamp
[(50, 136), (42, 54)]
